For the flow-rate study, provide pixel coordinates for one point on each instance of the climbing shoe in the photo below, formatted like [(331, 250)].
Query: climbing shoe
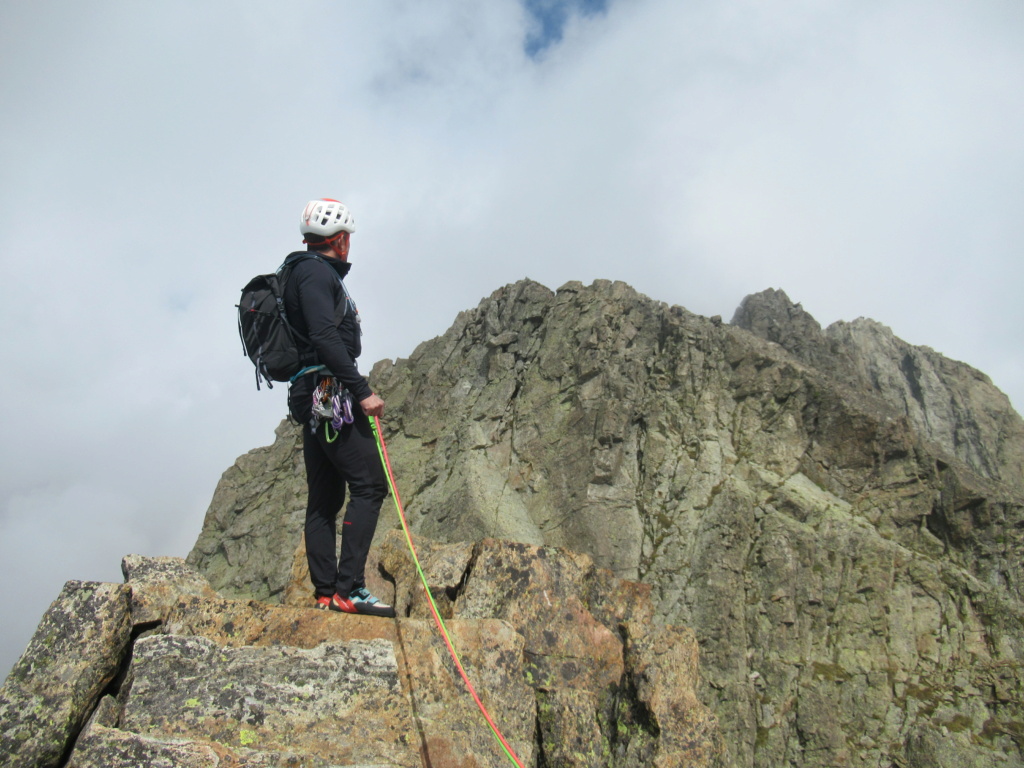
[(359, 601), (325, 603), (363, 602)]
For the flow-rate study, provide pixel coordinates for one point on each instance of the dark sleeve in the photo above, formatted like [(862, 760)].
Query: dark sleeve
[(318, 292)]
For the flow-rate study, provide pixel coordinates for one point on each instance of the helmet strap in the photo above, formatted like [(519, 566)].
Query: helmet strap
[(331, 242), (339, 244)]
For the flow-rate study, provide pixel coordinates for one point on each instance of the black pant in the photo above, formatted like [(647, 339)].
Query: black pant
[(351, 461)]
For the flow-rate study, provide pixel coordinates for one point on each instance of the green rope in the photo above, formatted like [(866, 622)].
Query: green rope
[(375, 426)]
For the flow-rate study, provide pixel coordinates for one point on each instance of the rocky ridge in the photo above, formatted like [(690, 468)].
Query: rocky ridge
[(837, 514), (954, 406), (165, 672)]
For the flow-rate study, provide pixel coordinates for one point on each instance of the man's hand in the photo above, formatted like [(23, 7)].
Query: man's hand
[(372, 406)]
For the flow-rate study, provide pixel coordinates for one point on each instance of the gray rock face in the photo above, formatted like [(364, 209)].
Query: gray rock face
[(339, 701), (838, 515), (102, 747), (157, 583), (612, 689), (948, 403), (265, 487), (75, 652)]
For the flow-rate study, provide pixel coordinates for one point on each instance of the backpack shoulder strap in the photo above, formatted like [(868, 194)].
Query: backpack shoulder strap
[(294, 258)]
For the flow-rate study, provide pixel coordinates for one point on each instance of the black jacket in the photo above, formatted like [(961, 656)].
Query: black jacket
[(319, 309)]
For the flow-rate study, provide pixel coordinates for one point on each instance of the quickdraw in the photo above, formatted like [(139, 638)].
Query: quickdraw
[(383, 451), (332, 404)]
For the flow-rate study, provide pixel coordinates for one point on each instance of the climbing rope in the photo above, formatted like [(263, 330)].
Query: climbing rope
[(383, 451)]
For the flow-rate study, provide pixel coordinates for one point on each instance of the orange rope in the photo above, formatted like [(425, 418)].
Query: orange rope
[(382, 449)]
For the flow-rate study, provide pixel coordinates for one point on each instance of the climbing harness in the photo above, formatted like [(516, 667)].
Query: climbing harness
[(383, 451), (307, 369)]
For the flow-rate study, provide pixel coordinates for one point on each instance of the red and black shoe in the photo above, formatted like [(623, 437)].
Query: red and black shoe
[(325, 603), (359, 601)]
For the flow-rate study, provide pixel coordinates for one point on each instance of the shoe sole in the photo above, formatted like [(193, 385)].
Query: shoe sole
[(385, 612)]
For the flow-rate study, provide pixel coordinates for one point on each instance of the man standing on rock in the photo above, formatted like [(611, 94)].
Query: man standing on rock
[(334, 404)]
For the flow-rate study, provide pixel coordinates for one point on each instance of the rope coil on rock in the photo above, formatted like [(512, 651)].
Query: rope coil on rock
[(383, 451)]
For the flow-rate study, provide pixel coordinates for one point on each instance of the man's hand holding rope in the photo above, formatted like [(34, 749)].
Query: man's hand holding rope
[(372, 406)]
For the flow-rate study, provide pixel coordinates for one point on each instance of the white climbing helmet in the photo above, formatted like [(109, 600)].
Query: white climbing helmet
[(326, 218)]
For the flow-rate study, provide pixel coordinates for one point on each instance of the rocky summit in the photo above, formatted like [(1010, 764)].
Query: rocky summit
[(661, 539)]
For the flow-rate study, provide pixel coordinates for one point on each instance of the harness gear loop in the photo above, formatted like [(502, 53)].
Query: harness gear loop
[(383, 451)]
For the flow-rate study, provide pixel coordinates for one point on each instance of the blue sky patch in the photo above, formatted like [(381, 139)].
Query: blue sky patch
[(550, 16)]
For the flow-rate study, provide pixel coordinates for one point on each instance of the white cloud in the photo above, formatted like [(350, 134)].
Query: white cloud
[(864, 157)]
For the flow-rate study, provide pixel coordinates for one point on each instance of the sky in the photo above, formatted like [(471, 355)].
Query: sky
[(865, 157)]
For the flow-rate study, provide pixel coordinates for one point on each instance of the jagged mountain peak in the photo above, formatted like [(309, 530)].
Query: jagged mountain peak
[(837, 514), (949, 403)]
